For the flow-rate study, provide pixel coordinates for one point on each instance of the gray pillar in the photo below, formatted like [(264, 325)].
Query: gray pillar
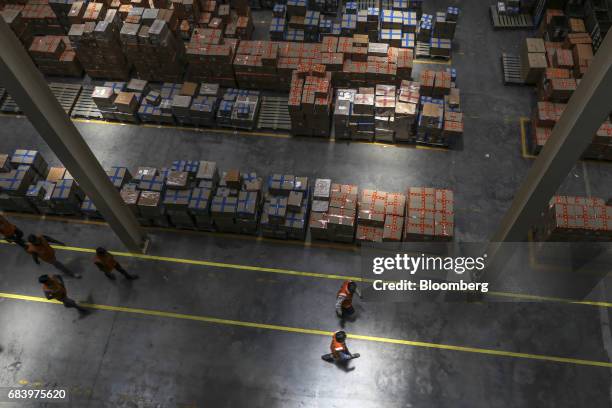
[(27, 86), (587, 109)]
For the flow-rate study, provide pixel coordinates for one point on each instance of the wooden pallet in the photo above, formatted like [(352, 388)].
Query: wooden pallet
[(66, 94), (518, 21), (84, 107), (422, 50), (9, 105), (274, 113), (511, 66)]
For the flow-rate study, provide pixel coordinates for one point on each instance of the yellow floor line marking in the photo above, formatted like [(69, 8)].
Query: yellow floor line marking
[(299, 330), (520, 296)]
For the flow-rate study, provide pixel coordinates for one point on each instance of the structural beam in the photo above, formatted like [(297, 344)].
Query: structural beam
[(26, 85), (586, 110)]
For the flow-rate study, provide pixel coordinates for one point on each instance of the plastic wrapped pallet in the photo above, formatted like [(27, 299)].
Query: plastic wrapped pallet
[(285, 211), (569, 218), (429, 214)]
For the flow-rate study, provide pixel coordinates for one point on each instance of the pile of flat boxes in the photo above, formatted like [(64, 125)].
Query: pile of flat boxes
[(54, 55), (156, 107), (27, 184), (380, 216), (333, 211), (569, 218), (119, 100), (285, 211), (440, 120), (255, 64), (239, 108), (310, 99), (196, 104)]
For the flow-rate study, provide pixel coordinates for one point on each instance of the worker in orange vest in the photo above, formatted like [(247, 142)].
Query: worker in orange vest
[(38, 246), (105, 261), (54, 288), (339, 351), (11, 232), (344, 299)]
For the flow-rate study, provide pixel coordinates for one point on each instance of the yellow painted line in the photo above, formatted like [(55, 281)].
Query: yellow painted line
[(240, 267), (299, 330), (425, 62)]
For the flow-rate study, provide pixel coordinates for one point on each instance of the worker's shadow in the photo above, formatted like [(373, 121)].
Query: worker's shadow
[(351, 318), (341, 365), (88, 311)]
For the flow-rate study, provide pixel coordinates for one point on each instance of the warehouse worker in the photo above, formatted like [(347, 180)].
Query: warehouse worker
[(38, 246), (339, 351), (54, 288), (105, 261), (344, 299), (11, 232)]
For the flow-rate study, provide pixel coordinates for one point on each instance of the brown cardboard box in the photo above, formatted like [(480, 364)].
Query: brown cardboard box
[(56, 174)]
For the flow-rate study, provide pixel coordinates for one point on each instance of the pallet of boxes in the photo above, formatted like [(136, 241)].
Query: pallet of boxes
[(239, 108), (569, 218), (333, 211), (54, 55), (429, 214), (236, 204), (380, 216), (120, 101), (18, 172), (285, 210), (210, 57), (310, 99)]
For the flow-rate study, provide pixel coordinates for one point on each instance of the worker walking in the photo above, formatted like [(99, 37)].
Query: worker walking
[(38, 246), (54, 288), (339, 351), (105, 261), (11, 232), (344, 299)]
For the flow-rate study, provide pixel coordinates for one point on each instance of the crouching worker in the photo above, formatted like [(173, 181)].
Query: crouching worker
[(339, 351)]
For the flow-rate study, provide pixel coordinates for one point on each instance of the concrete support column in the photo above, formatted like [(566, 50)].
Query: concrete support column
[(28, 87)]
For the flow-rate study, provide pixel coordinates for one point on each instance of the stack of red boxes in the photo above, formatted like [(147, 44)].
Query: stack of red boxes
[(54, 55), (310, 99), (576, 219), (255, 65), (430, 215), (380, 216), (210, 58)]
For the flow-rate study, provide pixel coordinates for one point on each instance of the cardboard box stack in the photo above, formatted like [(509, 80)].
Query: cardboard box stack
[(153, 50), (236, 204), (97, 43), (17, 172), (533, 60), (429, 214), (210, 57), (54, 55), (239, 108), (380, 216), (310, 100), (285, 211), (255, 65), (119, 101), (333, 212), (204, 105), (570, 218)]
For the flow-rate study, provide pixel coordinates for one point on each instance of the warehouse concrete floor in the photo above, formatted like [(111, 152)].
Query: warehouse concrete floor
[(163, 349)]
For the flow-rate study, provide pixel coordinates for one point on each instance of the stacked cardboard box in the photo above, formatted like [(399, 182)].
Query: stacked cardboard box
[(204, 105), (255, 64), (207, 179), (310, 100), (533, 59), (235, 207), (429, 214), (154, 51), (576, 219), (333, 212), (210, 57), (157, 108), (285, 211), (39, 19), (601, 147), (67, 197), (22, 169), (54, 56), (12, 17), (406, 110), (380, 216), (98, 47)]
